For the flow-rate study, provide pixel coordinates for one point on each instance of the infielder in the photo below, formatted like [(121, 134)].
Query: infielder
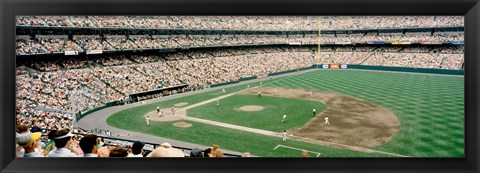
[(259, 94), (311, 94), (148, 118), (326, 121), (173, 110), (158, 110), (160, 114), (314, 111), (218, 102), (284, 135), (284, 118)]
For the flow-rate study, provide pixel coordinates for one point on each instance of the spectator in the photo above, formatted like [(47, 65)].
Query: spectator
[(246, 154), (304, 153), (216, 151), (63, 140), (137, 149), (166, 150), (118, 151), (33, 147), (89, 145)]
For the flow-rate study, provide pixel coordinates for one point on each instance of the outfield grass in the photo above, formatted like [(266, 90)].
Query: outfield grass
[(298, 112), (430, 110)]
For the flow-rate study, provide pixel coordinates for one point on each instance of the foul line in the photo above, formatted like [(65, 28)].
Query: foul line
[(284, 146)]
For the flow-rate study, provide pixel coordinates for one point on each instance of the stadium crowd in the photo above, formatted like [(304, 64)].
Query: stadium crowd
[(280, 23), (45, 44), (34, 140)]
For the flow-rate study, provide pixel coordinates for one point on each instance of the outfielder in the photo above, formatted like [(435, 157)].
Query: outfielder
[(218, 102), (259, 94), (148, 118), (314, 111), (326, 121), (284, 118), (223, 90), (284, 135)]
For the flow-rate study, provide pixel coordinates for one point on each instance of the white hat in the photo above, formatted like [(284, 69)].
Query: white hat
[(69, 134)]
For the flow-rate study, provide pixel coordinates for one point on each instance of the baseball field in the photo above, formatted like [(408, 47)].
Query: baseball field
[(371, 114)]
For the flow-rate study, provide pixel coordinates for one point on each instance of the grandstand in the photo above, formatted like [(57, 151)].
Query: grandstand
[(69, 66)]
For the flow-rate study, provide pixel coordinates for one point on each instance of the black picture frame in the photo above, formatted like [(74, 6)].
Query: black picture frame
[(9, 9)]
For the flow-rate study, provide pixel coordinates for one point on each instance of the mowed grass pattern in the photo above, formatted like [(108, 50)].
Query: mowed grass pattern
[(430, 107), (431, 113), (298, 112)]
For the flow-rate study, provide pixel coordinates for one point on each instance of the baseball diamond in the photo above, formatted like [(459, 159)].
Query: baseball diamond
[(399, 118), (240, 86)]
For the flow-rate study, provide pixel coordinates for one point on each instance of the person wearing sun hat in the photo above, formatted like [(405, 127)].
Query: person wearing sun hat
[(63, 140), (33, 144)]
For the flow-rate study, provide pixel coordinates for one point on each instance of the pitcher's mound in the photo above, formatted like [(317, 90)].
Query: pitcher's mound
[(182, 124), (180, 104), (251, 108)]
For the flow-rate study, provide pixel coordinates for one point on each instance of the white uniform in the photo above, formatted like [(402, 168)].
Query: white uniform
[(158, 110), (248, 86), (326, 121), (223, 90), (284, 135), (218, 102), (160, 114), (284, 117), (314, 111), (148, 123), (310, 92), (259, 94)]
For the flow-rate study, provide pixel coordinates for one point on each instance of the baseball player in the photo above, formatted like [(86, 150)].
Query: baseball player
[(218, 102), (160, 114), (284, 135), (284, 118), (314, 111), (259, 94), (173, 110), (223, 90), (311, 94), (158, 110), (326, 121), (248, 86), (148, 118)]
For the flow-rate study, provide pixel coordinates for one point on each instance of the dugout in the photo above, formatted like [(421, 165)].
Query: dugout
[(139, 96)]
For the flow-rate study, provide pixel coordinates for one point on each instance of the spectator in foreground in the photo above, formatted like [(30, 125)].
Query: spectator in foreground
[(118, 151), (216, 152), (33, 147), (137, 149), (63, 141), (246, 154), (166, 150), (196, 152), (89, 145), (304, 153), (103, 151)]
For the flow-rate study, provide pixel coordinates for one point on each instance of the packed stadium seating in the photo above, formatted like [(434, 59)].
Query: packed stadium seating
[(51, 89)]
